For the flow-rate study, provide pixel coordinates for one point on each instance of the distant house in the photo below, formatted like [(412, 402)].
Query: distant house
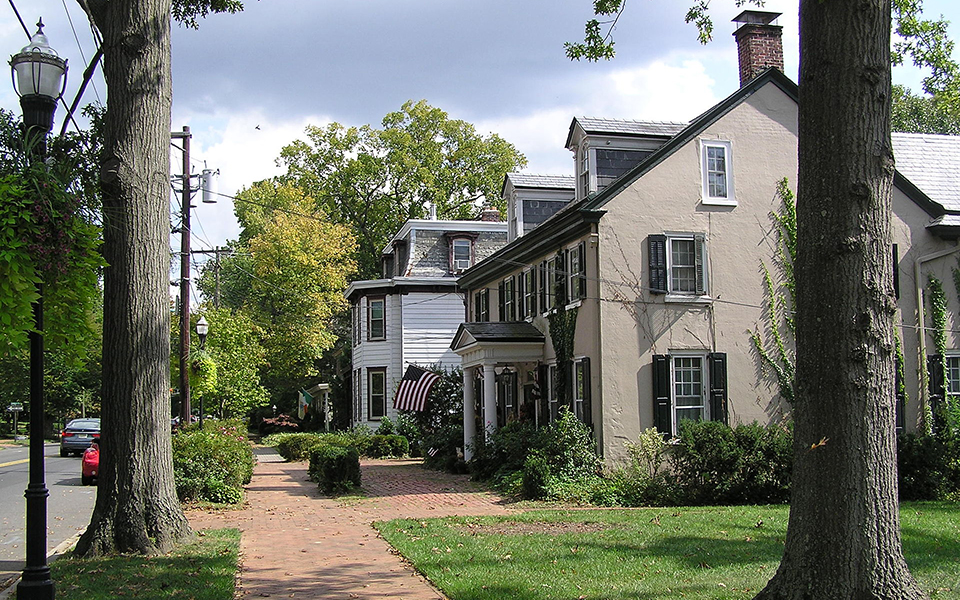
[(639, 297), (410, 315)]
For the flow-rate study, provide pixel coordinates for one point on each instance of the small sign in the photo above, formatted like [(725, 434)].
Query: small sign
[(15, 407)]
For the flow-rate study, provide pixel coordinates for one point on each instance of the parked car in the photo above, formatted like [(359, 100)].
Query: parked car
[(90, 466), (78, 435)]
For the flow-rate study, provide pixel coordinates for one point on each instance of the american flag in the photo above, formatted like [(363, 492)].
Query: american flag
[(414, 389)]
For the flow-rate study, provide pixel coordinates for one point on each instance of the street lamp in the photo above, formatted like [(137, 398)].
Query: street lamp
[(39, 76), (202, 329)]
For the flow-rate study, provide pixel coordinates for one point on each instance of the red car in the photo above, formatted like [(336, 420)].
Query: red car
[(90, 464)]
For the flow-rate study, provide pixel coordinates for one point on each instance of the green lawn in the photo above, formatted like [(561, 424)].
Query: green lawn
[(203, 570), (697, 552)]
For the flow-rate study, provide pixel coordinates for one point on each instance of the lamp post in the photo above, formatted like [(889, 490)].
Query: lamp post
[(39, 79), (202, 329)]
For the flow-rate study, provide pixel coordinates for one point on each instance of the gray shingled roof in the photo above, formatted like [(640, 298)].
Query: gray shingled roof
[(932, 163), (503, 332), (560, 182), (598, 125)]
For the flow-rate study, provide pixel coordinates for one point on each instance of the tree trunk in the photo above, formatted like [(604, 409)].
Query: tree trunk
[(137, 508), (843, 538)]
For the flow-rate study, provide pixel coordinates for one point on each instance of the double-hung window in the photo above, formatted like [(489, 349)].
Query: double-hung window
[(461, 254), (356, 323), (481, 305), (377, 392), (584, 170), (716, 168), (581, 389), (689, 386), (577, 272), (376, 318), (677, 264)]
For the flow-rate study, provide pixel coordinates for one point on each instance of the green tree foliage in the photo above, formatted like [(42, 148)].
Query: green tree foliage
[(923, 114), (49, 236), (375, 179), (234, 346), (283, 285)]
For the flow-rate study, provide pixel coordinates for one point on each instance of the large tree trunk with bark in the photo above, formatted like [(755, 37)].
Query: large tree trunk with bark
[(137, 508), (843, 538)]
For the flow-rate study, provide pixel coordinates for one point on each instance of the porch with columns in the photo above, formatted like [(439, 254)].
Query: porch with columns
[(483, 347)]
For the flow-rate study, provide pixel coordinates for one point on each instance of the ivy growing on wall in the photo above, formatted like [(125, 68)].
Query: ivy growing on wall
[(938, 319), (563, 327), (775, 347)]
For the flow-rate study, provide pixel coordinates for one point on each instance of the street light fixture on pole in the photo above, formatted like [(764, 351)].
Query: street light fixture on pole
[(39, 79), (202, 329)]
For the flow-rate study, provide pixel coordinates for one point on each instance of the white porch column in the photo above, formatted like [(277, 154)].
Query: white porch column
[(489, 398), (469, 413)]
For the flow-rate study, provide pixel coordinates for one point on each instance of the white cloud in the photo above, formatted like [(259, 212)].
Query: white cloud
[(243, 146)]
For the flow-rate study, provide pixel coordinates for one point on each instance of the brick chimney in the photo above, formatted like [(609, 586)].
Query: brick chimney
[(758, 43), (490, 213)]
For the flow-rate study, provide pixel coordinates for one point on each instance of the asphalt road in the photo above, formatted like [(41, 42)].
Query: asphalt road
[(69, 505)]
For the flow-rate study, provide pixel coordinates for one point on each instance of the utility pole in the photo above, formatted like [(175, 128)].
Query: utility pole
[(216, 269), (185, 279)]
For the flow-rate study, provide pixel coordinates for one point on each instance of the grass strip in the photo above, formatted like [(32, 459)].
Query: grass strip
[(653, 553), (205, 569)]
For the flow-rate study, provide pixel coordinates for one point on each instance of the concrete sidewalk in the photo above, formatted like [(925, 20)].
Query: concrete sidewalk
[(297, 543)]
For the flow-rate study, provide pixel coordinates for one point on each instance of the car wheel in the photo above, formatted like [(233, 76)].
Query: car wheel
[(86, 480), (64, 453)]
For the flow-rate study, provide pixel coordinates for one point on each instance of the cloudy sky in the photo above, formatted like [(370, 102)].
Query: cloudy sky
[(249, 83)]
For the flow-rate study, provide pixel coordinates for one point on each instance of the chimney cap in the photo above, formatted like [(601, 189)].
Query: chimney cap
[(756, 17)]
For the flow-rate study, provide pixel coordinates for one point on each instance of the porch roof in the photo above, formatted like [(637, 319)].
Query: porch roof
[(498, 343)]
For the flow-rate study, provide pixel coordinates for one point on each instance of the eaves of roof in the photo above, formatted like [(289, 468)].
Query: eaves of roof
[(567, 224), (929, 206), (400, 285)]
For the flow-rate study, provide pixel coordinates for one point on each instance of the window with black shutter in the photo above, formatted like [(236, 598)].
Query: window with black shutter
[(718, 386), (661, 395), (657, 263)]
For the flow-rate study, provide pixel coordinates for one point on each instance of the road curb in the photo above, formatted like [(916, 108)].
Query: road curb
[(61, 549)]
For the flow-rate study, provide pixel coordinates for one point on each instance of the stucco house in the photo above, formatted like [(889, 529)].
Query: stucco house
[(650, 281), (410, 314)]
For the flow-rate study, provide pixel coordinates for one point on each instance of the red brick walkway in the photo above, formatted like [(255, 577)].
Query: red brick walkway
[(297, 543)]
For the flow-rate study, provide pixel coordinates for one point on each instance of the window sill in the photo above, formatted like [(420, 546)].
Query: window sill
[(574, 304), (687, 299), (383, 339), (718, 202)]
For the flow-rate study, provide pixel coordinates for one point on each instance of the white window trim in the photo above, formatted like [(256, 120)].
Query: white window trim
[(454, 263), (370, 318), (678, 297), (704, 385), (955, 354), (705, 197), (371, 371), (578, 398), (585, 163)]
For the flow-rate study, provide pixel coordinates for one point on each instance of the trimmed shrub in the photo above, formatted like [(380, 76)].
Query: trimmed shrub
[(211, 466), (381, 446), (386, 426), (748, 464), (335, 468), (504, 451), (295, 447), (569, 448)]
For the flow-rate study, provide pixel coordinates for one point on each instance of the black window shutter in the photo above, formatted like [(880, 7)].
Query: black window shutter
[(718, 386), (534, 278), (587, 413), (701, 278), (661, 394), (543, 286), (502, 306), (896, 271), (563, 277), (543, 401), (521, 296), (657, 261), (937, 385), (582, 280)]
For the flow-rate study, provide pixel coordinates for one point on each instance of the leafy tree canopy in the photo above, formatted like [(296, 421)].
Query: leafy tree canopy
[(284, 282), (923, 114), (375, 179)]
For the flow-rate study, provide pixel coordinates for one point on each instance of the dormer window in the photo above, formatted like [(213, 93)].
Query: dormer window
[(461, 253), (583, 170)]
